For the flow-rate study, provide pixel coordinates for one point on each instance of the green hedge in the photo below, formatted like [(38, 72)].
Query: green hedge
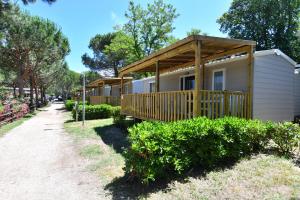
[(101, 111), (158, 149), (69, 104)]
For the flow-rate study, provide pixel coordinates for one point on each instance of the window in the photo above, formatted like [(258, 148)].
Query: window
[(218, 80), (187, 82), (126, 89), (152, 87)]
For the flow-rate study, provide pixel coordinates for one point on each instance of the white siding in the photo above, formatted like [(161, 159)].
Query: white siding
[(297, 94), (138, 86), (273, 88)]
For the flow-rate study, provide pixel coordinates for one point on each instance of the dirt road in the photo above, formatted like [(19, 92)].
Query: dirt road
[(38, 161)]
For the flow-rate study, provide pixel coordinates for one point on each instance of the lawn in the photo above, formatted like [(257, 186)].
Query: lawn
[(101, 143), (7, 127), (258, 177)]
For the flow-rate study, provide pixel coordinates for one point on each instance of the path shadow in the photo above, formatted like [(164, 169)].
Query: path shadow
[(69, 121), (127, 188), (62, 109), (113, 136)]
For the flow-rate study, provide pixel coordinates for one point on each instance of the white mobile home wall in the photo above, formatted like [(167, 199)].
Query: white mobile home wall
[(297, 93), (273, 93), (273, 83)]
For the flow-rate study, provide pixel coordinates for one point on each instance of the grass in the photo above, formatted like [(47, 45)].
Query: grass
[(258, 177), (7, 127), (91, 151), (102, 143)]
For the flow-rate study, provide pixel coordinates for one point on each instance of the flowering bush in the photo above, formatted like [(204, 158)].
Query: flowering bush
[(13, 109)]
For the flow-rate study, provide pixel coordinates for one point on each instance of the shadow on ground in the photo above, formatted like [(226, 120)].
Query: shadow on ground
[(127, 188), (113, 136)]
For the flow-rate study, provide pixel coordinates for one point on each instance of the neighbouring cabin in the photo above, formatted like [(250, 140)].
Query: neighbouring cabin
[(273, 82), (202, 91), (106, 90), (297, 91)]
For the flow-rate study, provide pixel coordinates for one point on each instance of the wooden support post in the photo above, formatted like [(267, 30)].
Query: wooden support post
[(156, 96), (122, 85), (157, 77), (203, 75), (99, 89), (198, 76), (250, 82)]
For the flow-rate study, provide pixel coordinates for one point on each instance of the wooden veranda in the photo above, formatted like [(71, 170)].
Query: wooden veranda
[(97, 93), (197, 51)]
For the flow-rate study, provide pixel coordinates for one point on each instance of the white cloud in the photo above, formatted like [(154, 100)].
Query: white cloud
[(113, 16), (116, 18)]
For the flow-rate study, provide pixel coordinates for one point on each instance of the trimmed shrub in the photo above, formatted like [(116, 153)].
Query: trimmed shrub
[(118, 118), (69, 105), (101, 111), (285, 135), (159, 149)]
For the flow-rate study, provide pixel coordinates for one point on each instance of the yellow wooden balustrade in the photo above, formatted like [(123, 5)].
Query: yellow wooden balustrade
[(178, 105), (111, 100)]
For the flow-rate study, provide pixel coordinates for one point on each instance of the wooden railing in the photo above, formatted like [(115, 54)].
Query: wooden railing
[(178, 105), (112, 100)]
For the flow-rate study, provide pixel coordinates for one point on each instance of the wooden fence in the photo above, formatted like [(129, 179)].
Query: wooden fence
[(111, 100), (178, 105)]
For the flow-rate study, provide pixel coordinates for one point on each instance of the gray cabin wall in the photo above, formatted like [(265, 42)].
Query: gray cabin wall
[(273, 88), (297, 93)]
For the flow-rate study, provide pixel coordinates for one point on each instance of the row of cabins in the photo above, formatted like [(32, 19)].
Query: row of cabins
[(206, 76)]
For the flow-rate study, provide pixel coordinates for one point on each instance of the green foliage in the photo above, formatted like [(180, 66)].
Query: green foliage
[(285, 135), (159, 149), (69, 104), (101, 111), (272, 23), (149, 27), (118, 118), (195, 31)]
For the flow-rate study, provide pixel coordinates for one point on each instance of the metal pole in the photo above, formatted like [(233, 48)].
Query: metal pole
[(83, 101)]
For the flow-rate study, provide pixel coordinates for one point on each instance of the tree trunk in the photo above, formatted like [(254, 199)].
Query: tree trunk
[(116, 70), (36, 97), (31, 92), (21, 81), (15, 93)]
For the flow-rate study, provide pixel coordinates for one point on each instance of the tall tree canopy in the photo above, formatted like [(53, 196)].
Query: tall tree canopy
[(101, 60), (150, 28), (272, 23), (146, 31), (32, 50), (195, 31)]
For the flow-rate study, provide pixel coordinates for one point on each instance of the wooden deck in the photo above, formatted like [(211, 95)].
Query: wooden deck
[(111, 100), (179, 105)]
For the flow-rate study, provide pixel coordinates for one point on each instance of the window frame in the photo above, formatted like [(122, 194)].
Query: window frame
[(213, 78), (154, 89), (184, 77)]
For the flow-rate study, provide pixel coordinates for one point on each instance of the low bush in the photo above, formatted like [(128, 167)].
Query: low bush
[(285, 135), (118, 118), (101, 111), (159, 149), (69, 104)]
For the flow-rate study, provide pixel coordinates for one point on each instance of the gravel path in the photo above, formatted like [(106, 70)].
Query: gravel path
[(38, 161)]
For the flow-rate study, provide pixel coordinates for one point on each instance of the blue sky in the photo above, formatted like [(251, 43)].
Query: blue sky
[(82, 19)]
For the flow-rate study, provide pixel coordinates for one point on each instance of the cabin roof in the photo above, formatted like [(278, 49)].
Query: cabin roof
[(182, 53), (108, 81)]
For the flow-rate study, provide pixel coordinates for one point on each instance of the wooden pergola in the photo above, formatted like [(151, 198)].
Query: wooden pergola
[(111, 81), (196, 50), (100, 84)]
